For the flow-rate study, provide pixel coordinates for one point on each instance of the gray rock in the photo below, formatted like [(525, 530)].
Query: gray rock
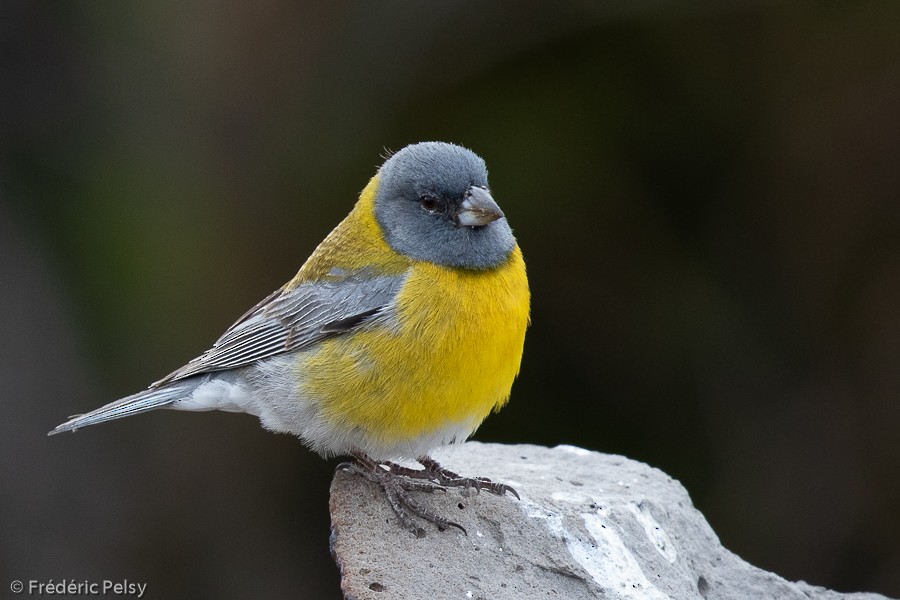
[(589, 525)]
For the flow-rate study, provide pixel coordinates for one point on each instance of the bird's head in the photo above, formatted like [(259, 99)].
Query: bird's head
[(433, 203)]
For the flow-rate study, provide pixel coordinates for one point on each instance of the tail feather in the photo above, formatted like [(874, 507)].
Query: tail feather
[(131, 405)]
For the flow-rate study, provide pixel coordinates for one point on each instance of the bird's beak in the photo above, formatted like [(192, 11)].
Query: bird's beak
[(477, 209)]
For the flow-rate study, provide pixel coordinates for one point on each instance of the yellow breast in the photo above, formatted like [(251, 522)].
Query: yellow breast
[(448, 360)]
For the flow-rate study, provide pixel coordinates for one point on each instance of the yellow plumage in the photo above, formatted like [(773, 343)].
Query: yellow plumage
[(450, 358), (356, 243)]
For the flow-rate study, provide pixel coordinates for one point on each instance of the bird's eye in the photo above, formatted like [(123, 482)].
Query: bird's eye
[(429, 203)]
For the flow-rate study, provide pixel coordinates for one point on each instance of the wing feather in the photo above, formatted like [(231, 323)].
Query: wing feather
[(294, 319)]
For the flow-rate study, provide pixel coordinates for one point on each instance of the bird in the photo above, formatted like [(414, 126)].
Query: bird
[(399, 335)]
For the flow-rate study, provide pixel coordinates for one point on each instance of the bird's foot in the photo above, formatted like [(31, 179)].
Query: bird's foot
[(396, 486), (446, 478)]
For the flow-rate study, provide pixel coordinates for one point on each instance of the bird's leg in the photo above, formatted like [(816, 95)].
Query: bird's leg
[(396, 487)]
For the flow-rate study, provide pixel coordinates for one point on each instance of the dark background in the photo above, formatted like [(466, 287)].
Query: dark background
[(707, 199)]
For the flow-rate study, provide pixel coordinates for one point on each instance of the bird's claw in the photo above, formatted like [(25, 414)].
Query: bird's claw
[(397, 480)]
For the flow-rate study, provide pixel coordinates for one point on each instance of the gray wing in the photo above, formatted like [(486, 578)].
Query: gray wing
[(294, 319)]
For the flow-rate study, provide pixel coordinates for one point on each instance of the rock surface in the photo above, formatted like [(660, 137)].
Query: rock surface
[(588, 525)]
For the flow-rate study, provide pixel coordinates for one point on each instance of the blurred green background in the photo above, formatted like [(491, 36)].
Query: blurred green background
[(707, 198)]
